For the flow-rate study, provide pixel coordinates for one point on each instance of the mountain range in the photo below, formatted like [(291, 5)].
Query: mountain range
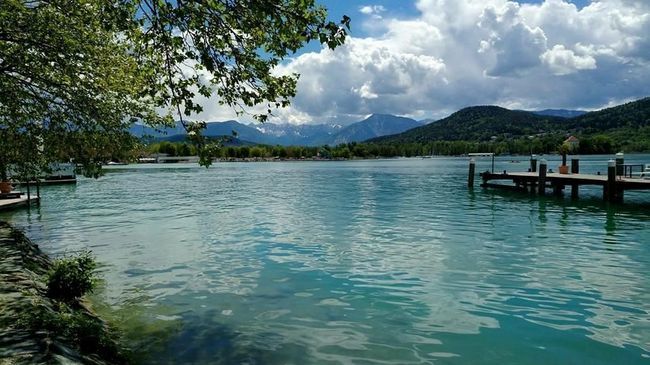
[(626, 124), (288, 134)]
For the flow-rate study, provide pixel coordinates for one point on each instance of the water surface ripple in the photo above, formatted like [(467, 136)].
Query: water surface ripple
[(361, 262)]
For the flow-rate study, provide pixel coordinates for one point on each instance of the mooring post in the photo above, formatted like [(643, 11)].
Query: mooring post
[(620, 161), (575, 166), (620, 172), (609, 191), (533, 163), (575, 169), (541, 181), (29, 195), (470, 176), (38, 192)]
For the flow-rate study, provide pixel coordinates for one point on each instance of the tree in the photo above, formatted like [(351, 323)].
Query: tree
[(66, 76), (80, 71), (16, 156), (564, 149)]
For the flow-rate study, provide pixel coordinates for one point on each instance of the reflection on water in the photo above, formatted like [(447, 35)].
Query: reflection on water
[(390, 262)]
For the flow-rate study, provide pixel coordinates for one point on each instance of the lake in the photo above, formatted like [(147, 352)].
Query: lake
[(356, 262)]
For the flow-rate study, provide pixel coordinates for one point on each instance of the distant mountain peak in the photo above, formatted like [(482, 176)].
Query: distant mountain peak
[(376, 125)]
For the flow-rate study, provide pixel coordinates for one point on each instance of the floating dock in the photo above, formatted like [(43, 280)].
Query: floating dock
[(614, 184), (18, 200)]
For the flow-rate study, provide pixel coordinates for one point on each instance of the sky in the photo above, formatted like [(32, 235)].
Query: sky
[(428, 58)]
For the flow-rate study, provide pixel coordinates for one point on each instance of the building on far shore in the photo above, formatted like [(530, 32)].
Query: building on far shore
[(573, 142)]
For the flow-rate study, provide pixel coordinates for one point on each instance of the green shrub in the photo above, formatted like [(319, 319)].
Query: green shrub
[(71, 277)]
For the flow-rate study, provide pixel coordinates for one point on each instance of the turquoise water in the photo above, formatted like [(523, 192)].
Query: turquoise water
[(360, 262)]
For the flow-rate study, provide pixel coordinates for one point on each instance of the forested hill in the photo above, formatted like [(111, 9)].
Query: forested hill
[(625, 124), (478, 123), (633, 115)]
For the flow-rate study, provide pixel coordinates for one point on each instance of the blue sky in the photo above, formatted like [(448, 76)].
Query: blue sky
[(429, 58), (397, 8)]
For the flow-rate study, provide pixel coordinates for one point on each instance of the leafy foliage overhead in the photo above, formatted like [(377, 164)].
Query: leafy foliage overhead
[(75, 73), (225, 47)]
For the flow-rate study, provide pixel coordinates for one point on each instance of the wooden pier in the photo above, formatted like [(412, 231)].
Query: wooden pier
[(16, 200), (62, 181), (614, 184)]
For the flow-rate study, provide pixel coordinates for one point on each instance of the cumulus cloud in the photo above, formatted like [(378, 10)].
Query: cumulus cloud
[(364, 76), (564, 61), (516, 46), (467, 52)]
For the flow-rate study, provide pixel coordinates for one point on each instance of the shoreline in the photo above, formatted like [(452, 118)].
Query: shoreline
[(23, 298)]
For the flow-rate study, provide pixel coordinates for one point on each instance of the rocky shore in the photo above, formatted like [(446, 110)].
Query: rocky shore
[(23, 303)]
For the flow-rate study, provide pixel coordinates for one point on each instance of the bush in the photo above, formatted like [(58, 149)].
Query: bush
[(71, 277)]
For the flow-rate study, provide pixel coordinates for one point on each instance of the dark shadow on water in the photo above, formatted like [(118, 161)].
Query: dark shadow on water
[(161, 334), (590, 204), (203, 340), (610, 228), (565, 220), (611, 217), (543, 210)]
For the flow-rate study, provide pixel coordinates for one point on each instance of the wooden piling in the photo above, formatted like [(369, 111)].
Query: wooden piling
[(609, 190), (620, 161), (542, 177), (620, 171), (470, 176), (29, 194), (38, 193), (575, 169), (533, 163)]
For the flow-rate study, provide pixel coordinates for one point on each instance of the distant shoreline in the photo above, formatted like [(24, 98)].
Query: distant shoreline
[(515, 157)]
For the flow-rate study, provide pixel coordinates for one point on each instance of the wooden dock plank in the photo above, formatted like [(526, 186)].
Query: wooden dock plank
[(6, 204), (614, 183), (48, 182), (568, 179), (613, 190)]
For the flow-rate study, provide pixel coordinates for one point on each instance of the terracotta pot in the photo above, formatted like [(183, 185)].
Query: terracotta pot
[(563, 169), (5, 187)]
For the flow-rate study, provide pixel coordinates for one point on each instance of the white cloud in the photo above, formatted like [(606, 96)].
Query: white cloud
[(564, 61), (364, 76), (514, 45), (467, 52), (373, 10)]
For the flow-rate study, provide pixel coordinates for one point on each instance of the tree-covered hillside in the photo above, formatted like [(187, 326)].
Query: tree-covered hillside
[(635, 114), (478, 123), (625, 127)]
